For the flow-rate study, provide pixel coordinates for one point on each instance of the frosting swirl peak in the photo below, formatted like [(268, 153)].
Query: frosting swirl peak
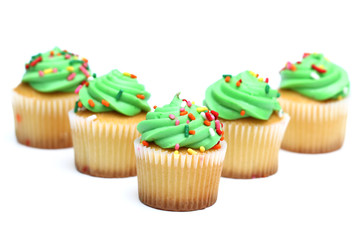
[(56, 71), (115, 91), (315, 77), (241, 96)]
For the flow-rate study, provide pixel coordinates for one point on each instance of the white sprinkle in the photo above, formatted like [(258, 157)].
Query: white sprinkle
[(90, 118), (314, 75), (212, 132), (280, 113), (346, 90), (203, 115), (183, 104)]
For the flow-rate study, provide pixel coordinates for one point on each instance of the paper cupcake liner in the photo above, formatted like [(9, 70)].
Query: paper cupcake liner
[(43, 123), (315, 127), (103, 149), (183, 183), (253, 149)]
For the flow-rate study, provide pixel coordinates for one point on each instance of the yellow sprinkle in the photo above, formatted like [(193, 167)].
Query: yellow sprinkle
[(261, 79), (70, 68), (193, 102), (176, 154), (339, 97), (201, 109), (252, 73), (49, 70), (202, 149), (126, 74), (192, 152), (76, 57)]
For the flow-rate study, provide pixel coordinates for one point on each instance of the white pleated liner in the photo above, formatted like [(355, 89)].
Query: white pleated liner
[(103, 149), (315, 128), (253, 150), (43, 123), (184, 183)]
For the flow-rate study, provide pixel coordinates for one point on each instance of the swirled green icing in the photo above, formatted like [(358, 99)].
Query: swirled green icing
[(115, 91), (315, 77), (252, 97), (164, 131), (55, 71)]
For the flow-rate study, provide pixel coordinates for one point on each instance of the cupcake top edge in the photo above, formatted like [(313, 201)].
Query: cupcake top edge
[(241, 96), (56, 71), (114, 91), (315, 77), (182, 124)]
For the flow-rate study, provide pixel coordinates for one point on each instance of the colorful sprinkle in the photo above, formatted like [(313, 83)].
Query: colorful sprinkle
[(318, 69), (140, 96), (85, 60), (238, 83), (189, 103), (70, 68), (267, 89), (80, 105), (145, 143), (91, 103), (187, 121), (215, 114), (76, 106), (27, 66), (267, 80), (105, 103), (217, 124), (227, 79), (118, 95), (177, 146), (202, 149), (222, 138), (191, 116), (207, 123), (41, 73), (155, 107), (172, 116), (183, 104), (47, 71), (183, 113), (203, 115), (132, 76), (305, 55), (218, 131), (177, 122), (55, 70), (84, 71), (182, 109), (33, 63), (77, 90), (94, 75), (192, 132), (314, 75), (67, 56), (186, 130), (71, 76), (217, 146), (202, 109), (126, 74), (212, 132), (242, 113), (208, 116), (192, 152)]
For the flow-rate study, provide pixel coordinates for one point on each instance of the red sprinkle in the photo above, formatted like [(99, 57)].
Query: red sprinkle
[(218, 131), (242, 113), (238, 83), (227, 79), (216, 114), (132, 76), (318, 69), (208, 116), (91, 103), (305, 55), (140, 96), (183, 113), (80, 104), (145, 143), (155, 107), (33, 63), (192, 132), (217, 146), (105, 103), (27, 66), (191, 116), (267, 80), (222, 138)]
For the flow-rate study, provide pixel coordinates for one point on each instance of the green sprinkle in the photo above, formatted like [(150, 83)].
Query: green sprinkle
[(76, 106), (227, 75), (94, 75), (267, 89), (278, 94), (35, 56), (186, 130), (72, 62), (119, 94)]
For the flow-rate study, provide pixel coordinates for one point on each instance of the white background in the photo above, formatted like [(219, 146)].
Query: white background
[(173, 47)]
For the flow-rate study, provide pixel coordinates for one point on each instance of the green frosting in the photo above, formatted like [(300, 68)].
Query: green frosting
[(241, 96), (167, 127), (115, 91), (55, 71), (315, 77)]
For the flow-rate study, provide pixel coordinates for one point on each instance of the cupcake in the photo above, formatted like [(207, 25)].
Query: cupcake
[(42, 100), (314, 93), (103, 124), (179, 157), (254, 124)]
